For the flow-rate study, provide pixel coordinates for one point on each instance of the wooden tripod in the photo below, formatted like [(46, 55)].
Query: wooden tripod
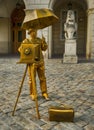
[(35, 91)]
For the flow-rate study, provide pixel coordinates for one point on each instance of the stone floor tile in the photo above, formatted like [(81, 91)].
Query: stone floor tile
[(69, 84)]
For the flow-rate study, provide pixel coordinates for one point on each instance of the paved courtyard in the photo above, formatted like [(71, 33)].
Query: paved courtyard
[(69, 84)]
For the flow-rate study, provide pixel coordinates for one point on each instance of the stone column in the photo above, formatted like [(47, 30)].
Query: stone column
[(90, 46), (50, 42)]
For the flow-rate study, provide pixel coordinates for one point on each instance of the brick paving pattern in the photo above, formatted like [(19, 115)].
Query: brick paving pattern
[(71, 84)]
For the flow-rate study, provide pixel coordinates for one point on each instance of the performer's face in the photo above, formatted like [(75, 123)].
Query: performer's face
[(33, 33)]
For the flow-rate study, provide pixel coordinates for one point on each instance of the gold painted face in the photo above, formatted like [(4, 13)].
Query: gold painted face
[(32, 33)]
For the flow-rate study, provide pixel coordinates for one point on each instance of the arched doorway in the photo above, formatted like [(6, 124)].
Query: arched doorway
[(18, 34), (57, 42)]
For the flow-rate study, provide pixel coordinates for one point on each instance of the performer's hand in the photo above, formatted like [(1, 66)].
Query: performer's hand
[(43, 38)]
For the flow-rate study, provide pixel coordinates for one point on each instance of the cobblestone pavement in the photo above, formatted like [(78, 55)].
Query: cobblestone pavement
[(71, 84)]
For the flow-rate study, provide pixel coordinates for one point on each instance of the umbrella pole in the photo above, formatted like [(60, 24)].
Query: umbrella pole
[(42, 34)]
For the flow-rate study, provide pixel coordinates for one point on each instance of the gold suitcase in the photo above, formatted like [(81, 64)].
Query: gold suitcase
[(61, 114), (29, 53)]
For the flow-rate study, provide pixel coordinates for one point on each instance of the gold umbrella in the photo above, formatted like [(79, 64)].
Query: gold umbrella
[(39, 18)]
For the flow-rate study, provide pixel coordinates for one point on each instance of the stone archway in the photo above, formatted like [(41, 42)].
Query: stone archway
[(56, 42), (18, 34), (6, 37)]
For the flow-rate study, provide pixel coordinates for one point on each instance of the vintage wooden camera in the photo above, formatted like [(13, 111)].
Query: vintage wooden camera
[(29, 53)]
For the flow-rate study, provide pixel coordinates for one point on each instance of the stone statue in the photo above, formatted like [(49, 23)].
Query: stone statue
[(70, 27)]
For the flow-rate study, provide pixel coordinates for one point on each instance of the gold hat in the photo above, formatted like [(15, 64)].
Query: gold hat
[(31, 30)]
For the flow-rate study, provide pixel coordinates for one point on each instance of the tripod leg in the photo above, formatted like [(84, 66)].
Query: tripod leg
[(35, 91), (20, 90)]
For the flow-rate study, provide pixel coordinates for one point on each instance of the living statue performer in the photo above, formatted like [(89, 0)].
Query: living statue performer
[(38, 66), (70, 27)]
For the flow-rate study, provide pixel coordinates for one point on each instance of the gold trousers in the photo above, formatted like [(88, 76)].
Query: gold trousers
[(40, 70)]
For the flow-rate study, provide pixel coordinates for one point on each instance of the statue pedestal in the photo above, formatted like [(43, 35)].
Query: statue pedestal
[(70, 55)]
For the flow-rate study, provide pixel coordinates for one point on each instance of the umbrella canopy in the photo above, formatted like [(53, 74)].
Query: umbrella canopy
[(39, 18)]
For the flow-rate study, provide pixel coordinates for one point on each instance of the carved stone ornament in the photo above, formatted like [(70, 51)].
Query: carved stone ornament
[(18, 15)]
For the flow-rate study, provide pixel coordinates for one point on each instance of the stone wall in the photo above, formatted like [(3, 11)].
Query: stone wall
[(92, 35), (4, 35), (90, 3), (6, 7), (57, 42)]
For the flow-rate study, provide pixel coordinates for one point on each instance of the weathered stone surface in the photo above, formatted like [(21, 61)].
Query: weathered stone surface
[(70, 55), (89, 127)]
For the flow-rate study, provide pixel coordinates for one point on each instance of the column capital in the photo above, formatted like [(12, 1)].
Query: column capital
[(90, 11)]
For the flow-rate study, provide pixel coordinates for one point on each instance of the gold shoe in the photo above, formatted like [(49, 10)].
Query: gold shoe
[(32, 96), (45, 95)]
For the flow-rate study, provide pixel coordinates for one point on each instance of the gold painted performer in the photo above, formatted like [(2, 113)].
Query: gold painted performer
[(38, 66)]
